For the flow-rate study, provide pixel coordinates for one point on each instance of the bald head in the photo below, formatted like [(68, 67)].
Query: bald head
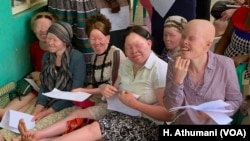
[(203, 27)]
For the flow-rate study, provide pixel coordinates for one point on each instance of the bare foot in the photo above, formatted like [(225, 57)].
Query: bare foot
[(25, 134), (22, 127), (30, 137)]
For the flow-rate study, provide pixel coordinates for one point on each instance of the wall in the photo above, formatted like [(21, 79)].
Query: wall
[(15, 38)]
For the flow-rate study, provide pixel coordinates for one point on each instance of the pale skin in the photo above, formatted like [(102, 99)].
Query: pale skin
[(99, 43), (195, 43), (55, 45), (137, 49), (40, 28), (171, 38)]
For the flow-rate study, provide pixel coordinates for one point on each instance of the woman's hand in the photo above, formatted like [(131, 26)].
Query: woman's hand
[(127, 98), (108, 90), (180, 69), (40, 115), (227, 14)]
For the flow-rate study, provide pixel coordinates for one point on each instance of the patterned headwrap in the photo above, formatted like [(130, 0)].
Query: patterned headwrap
[(175, 21), (62, 30)]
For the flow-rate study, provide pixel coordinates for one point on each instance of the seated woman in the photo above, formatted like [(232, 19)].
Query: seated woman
[(104, 72), (39, 25), (62, 67), (173, 27), (105, 64), (199, 76), (142, 73)]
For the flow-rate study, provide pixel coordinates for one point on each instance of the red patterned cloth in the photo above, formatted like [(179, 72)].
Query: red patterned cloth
[(84, 104), (77, 123)]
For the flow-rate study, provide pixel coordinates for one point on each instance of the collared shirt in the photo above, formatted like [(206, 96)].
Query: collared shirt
[(219, 82), (149, 78)]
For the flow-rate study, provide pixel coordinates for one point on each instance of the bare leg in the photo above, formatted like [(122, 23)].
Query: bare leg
[(89, 132), (2, 111), (60, 127), (16, 104), (28, 105)]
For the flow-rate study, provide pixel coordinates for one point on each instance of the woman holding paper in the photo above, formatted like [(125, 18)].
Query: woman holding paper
[(199, 76), (143, 74), (62, 67), (105, 64)]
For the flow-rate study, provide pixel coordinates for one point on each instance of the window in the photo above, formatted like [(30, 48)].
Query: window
[(21, 5)]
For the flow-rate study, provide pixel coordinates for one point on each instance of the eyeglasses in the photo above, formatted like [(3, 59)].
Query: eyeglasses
[(43, 16)]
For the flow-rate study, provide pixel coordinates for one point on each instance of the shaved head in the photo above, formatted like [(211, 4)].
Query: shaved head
[(203, 27)]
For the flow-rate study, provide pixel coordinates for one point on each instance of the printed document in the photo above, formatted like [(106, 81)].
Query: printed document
[(11, 119), (214, 109), (74, 96), (115, 104)]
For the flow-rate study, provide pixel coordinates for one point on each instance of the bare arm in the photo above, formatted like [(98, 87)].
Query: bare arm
[(240, 59), (221, 46), (158, 112)]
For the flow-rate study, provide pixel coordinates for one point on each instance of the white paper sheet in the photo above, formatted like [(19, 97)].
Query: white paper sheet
[(32, 83), (115, 104), (74, 96), (118, 20), (214, 109), (162, 6), (11, 119)]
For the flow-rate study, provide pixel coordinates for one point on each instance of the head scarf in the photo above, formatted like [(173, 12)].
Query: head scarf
[(62, 30), (175, 21)]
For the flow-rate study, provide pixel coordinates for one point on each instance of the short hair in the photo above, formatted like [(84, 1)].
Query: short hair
[(138, 30), (99, 22)]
